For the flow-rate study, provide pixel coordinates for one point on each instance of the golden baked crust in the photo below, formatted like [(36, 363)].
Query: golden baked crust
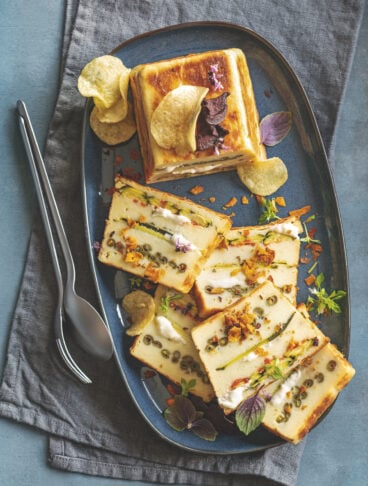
[(151, 82)]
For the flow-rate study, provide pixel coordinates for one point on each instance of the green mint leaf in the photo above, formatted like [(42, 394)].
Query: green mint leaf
[(186, 386), (250, 414)]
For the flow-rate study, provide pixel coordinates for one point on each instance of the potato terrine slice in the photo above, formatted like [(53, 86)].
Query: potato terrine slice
[(245, 258), (304, 395), (166, 344), (254, 342), (159, 236)]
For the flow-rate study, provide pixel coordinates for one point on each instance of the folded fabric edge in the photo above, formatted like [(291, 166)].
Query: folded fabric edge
[(152, 472), (59, 457)]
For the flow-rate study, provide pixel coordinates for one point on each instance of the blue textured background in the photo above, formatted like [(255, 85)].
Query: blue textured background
[(30, 36)]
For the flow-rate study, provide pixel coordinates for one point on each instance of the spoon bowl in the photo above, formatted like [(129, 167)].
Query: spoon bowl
[(89, 328)]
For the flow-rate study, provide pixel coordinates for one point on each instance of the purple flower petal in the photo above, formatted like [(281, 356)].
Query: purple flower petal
[(275, 127)]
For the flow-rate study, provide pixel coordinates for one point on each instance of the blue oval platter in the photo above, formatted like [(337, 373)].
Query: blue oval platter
[(276, 88)]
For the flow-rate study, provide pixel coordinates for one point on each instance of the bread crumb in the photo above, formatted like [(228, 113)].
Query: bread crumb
[(280, 201), (244, 200), (196, 190), (212, 199), (231, 202)]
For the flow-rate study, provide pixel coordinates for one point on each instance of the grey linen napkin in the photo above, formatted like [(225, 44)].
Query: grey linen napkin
[(96, 429)]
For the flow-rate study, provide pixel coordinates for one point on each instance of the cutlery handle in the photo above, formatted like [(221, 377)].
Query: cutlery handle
[(38, 167)]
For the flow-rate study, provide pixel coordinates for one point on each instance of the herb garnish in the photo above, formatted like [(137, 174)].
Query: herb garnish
[(165, 301), (182, 415), (250, 413), (270, 210), (321, 301), (275, 127)]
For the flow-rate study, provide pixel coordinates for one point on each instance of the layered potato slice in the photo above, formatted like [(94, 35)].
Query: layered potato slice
[(219, 72), (304, 395), (165, 344), (159, 236), (253, 343), (248, 256)]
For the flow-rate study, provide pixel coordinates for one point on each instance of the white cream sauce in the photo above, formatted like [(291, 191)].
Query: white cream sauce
[(232, 398), (167, 214), (289, 229), (166, 329), (181, 242), (285, 388)]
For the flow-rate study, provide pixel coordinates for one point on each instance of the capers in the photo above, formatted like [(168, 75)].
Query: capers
[(110, 242), (147, 247), (280, 418), (175, 356), (182, 267), (156, 343), (258, 311), (271, 300), (308, 383), (297, 402), (223, 341), (205, 379), (147, 339), (331, 365), (319, 377), (165, 353)]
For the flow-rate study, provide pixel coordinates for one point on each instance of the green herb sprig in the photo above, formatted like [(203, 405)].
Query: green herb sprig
[(269, 210), (321, 301)]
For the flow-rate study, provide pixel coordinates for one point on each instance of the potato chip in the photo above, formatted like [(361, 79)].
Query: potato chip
[(114, 114), (100, 79), (173, 123), (114, 133), (263, 177), (141, 309)]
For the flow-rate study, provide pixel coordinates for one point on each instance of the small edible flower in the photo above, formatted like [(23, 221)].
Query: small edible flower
[(213, 77)]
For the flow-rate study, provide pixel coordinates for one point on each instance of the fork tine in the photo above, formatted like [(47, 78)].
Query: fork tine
[(69, 361)]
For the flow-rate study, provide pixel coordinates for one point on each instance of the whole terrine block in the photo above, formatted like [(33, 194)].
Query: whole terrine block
[(152, 82), (305, 394), (246, 257), (254, 342), (166, 343), (159, 236)]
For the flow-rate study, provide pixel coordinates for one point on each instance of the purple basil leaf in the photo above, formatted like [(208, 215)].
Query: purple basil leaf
[(275, 127), (204, 429), (181, 413), (185, 409), (174, 420), (250, 414)]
